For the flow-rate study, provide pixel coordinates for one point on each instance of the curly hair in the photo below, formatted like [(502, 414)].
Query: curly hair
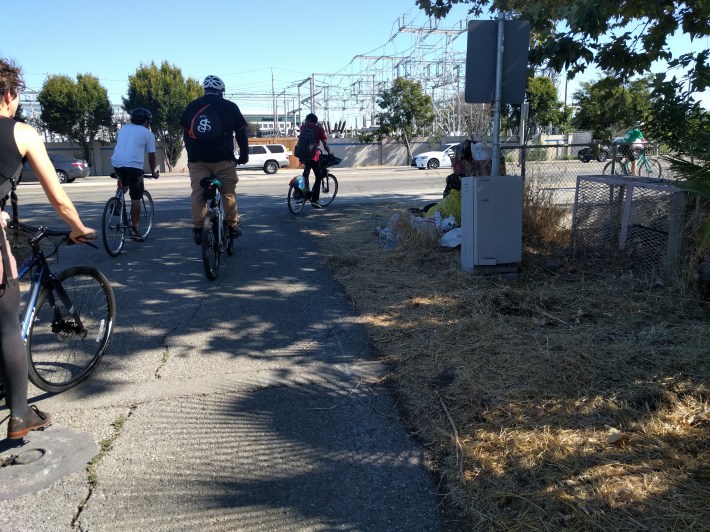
[(10, 78)]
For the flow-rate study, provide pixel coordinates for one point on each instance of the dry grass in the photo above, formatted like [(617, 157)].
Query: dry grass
[(552, 400)]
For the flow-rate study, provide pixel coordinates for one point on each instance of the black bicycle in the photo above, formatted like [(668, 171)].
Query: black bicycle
[(117, 217), (68, 317), (215, 232), (299, 192)]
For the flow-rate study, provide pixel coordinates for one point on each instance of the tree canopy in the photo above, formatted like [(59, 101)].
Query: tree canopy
[(165, 92), (407, 112), (75, 109), (624, 37), (609, 108)]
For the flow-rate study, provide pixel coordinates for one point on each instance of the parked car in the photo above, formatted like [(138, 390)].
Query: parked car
[(587, 154), (440, 157), (267, 157), (68, 168)]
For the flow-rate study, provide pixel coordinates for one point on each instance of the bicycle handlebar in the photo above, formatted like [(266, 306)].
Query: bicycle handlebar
[(38, 233)]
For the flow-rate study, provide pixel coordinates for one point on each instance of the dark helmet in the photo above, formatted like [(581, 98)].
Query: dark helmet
[(310, 117), (140, 114)]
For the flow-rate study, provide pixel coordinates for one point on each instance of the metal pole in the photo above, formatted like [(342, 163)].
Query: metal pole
[(313, 93), (495, 164)]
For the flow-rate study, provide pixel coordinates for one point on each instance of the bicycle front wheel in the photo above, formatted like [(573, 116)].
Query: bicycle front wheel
[(649, 168), (113, 234), (296, 199), (328, 190), (70, 329), (147, 213), (210, 246), (618, 168)]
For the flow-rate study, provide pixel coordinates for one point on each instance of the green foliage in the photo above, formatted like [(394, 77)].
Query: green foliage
[(165, 92), (252, 129), (77, 109), (693, 168), (544, 108), (609, 107), (623, 37), (678, 122), (407, 112)]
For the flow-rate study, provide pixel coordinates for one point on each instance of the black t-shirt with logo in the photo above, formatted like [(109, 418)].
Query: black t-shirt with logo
[(232, 121)]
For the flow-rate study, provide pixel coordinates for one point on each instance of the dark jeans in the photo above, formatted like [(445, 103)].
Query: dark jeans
[(318, 172)]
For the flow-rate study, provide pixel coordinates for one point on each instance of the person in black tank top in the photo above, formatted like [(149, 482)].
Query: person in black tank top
[(18, 140)]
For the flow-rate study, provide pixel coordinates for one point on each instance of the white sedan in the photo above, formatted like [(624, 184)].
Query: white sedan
[(439, 158)]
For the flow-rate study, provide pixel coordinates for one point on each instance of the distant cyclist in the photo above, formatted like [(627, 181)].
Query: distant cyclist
[(211, 124), (312, 161), (627, 144), (134, 141)]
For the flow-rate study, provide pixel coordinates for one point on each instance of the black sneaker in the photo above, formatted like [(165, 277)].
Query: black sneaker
[(197, 235), (135, 235), (316, 205), (236, 231)]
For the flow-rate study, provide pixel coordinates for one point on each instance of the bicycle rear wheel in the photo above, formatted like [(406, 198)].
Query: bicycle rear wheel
[(296, 199), (618, 168), (649, 168), (147, 213), (210, 246), (113, 234), (328, 190), (67, 338)]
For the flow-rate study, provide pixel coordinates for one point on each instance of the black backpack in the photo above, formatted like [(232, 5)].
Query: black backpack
[(206, 125), (307, 143)]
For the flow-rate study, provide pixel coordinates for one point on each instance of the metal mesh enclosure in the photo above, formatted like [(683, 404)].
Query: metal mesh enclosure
[(635, 223)]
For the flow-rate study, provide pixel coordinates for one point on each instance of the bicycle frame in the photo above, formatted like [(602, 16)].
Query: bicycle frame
[(41, 275)]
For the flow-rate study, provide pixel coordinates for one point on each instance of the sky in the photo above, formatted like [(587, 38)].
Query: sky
[(254, 46)]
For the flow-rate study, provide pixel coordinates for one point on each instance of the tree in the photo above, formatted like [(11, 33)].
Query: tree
[(407, 111), (609, 107), (623, 38), (252, 129), (544, 108), (165, 92), (76, 110)]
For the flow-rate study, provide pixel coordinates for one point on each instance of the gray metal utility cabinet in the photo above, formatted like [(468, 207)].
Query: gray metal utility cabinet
[(491, 223)]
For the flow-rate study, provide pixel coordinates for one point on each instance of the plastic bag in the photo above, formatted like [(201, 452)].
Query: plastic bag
[(451, 239)]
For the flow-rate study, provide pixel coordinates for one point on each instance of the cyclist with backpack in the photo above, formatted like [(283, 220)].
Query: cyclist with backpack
[(309, 154), (211, 125), (134, 140)]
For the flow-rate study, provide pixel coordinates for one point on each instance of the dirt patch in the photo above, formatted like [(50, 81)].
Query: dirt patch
[(555, 399)]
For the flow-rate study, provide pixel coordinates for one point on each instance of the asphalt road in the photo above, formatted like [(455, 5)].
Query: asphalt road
[(248, 403)]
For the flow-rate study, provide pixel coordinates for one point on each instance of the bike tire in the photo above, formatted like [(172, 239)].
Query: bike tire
[(59, 356), (147, 214), (618, 169), (210, 246), (328, 190), (296, 199), (653, 169), (113, 234)]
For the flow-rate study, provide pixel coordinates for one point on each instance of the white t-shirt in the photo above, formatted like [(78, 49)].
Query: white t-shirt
[(133, 143)]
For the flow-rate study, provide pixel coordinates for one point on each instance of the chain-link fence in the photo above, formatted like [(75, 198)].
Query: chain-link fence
[(636, 224), (620, 220)]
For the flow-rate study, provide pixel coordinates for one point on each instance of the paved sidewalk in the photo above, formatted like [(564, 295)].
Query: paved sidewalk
[(248, 403)]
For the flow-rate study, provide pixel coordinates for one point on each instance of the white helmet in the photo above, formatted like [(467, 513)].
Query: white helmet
[(213, 83)]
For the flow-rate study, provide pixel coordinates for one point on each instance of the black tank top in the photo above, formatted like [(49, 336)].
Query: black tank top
[(10, 158)]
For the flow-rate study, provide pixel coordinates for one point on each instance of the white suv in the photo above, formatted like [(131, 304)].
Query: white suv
[(267, 157)]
